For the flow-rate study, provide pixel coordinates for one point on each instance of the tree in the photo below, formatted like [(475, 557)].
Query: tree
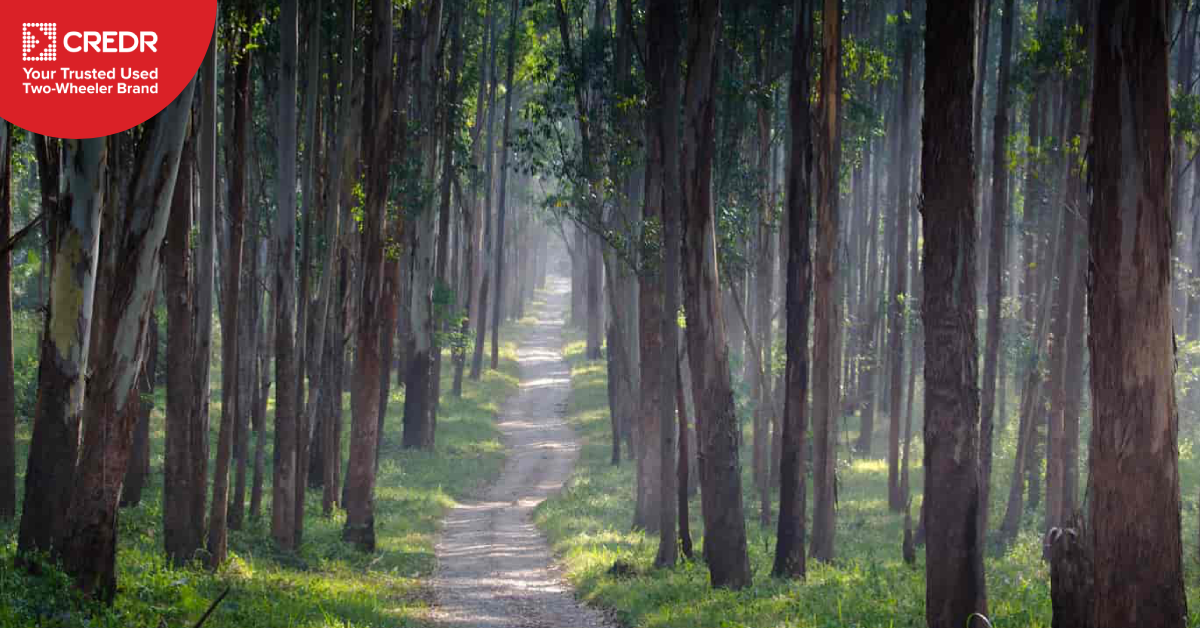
[(418, 401), (53, 449), (130, 276), (662, 125), (1134, 455), (789, 544), (996, 262), (8, 394), (503, 190), (708, 354), (364, 397), (283, 488), (218, 532), (827, 348), (898, 184), (954, 565)]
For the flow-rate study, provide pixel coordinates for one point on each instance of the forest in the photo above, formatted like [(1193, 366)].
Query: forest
[(617, 313)]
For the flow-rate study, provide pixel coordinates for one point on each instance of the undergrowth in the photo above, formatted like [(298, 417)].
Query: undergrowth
[(326, 583), (868, 584)]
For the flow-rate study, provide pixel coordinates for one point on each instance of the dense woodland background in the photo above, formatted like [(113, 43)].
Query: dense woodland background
[(928, 265)]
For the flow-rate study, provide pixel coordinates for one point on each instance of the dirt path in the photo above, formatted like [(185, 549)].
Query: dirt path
[(494, 568)]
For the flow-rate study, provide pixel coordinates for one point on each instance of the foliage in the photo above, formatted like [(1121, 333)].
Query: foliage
[(326, 582)]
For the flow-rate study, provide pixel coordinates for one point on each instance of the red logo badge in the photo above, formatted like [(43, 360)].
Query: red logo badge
[(88, 69)]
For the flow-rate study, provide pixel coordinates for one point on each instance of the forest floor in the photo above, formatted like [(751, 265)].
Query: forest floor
[(324, 584), (867, 585), (495, 569)]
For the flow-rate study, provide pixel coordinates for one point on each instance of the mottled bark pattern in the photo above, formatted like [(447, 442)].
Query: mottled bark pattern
[(1134, 454)]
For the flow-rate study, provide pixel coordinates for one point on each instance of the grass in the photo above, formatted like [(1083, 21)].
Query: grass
[(325, 583), (868, 584)]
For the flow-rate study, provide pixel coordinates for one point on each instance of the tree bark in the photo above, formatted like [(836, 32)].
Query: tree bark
[(283, 489), (789, 544), (954, 564), (418, 401), (1134, 454), (708, 353), (827, 346), (364, 398), (218, 532), (248, 308), (497, 310), (996, 264), (897, 317), (659, 296), (53, 448), (130, 269)]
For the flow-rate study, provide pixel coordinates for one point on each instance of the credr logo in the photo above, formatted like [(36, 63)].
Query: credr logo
[(110, 41), (38, 42)]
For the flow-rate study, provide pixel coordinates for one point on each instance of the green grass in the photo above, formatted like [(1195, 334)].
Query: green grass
[(868, 585), (325, 583)]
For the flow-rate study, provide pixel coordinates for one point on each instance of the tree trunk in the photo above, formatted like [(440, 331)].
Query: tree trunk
[(250, 293), (827, 346), (954, 564), (364, 398), (497, 311), (130, 270), (1134, 455), (266, 340), (789, 545), (897, 317), (708, 353), (283, 489), (996, 265), (659, 295), (75, 216), (139, 458), (185, 456), (218, 533), (8, 394), (418, 402)]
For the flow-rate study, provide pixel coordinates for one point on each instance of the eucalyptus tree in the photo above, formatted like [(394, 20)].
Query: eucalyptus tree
[(1134, 508), (955, 589)]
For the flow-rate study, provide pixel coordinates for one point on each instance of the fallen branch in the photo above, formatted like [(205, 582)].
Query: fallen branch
[(211, 607)]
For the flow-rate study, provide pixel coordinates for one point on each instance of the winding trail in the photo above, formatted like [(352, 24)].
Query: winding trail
[(495, 569)]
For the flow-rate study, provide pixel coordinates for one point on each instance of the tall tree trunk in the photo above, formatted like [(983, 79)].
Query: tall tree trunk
[(789, 544), (996, 264), (283, 489), (827, 346), (954, 564), (364, 398), (1134, 455), (8, 395), (75, 222), (659, 295), (897, 318), (708, 353), (266, 340), (130, 270), (304, 328), (249, 308), (486, 216), (185, 456), (442, 275), (418, 402), (218, 533), (503, 192)]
